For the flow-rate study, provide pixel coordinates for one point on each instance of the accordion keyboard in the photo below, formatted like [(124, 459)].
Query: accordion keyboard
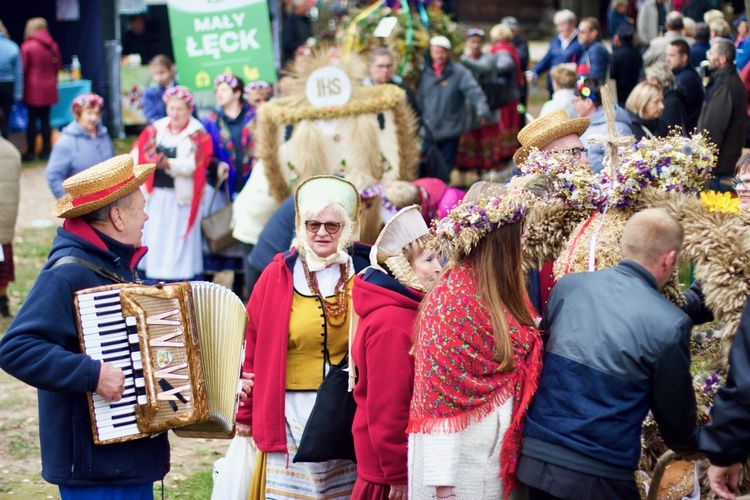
[(111, 338)]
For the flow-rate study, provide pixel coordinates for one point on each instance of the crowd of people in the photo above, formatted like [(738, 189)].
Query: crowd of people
[(473, 377)]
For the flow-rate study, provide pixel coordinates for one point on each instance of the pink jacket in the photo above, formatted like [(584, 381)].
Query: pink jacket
[(41, 62)]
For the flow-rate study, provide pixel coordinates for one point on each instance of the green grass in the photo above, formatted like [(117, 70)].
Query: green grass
[(195, 487), (30, 249)]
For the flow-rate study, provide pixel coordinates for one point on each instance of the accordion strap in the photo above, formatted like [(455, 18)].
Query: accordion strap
[(69, 259)]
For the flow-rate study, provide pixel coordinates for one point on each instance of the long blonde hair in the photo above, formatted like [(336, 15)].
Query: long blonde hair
[(33, 25)]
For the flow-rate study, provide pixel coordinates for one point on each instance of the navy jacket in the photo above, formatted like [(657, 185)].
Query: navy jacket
[(594, 61), (726, 439), (556, 55), (616, 349), (688, 80), (41, 349)]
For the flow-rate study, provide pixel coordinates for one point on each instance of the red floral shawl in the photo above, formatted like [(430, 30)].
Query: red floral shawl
[(204, 151), (457, 378)]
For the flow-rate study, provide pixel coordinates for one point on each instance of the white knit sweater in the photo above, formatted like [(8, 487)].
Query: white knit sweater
[(468, 460)]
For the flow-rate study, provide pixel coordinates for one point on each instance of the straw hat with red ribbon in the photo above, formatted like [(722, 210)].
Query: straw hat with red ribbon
[(100, 185)]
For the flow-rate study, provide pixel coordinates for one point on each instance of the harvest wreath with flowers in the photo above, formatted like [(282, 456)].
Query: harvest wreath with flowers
[(580, 226)]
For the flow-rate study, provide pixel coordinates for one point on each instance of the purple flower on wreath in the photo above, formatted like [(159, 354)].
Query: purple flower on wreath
[(713, 383)]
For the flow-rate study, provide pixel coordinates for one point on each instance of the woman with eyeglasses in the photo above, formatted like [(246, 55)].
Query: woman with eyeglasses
[(299, 314), (587, 99), (230, 128), (741, 182)]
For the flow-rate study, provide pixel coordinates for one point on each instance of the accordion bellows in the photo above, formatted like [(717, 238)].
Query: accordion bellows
[(181, 347)]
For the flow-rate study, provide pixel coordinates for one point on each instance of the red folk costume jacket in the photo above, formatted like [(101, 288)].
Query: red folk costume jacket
[(385, 369), (269, 308), (203, 150), (41, 62)]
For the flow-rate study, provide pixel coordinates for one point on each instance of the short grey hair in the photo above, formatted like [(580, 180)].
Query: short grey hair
[(565, 16), (380, 51), (102, 214), (660, 72), (725, 48)]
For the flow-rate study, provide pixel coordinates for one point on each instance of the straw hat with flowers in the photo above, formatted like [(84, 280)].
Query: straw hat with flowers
[(100, 185)]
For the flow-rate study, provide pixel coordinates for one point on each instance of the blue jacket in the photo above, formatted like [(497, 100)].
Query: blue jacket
[(594, 61), (598, 126), (224, 131), (153, 107), (11, 66), (74, 152), (556, 55), (616, 348), (41, 348), (698, 53)]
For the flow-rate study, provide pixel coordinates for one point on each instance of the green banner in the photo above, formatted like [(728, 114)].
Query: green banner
[(211, 37)]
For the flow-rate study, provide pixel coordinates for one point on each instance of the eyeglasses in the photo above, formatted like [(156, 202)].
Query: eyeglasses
[(475, 32), (331, 227), (736, 182), (574, 152)]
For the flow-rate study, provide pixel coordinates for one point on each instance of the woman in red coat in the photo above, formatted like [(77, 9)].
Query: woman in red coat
[(41, 62), (386, 297)]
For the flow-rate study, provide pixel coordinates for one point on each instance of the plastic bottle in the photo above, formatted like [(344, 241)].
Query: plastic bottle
[(75, 68)]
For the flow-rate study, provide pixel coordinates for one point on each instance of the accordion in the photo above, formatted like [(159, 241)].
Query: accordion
[(181, 347)]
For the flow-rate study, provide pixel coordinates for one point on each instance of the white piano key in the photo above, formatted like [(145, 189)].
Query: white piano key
[(95, 295), (92, 342), (102, 330), (107, 414), (92, 307), (118, 432), (103, 320), (111, 350), (102, 404)]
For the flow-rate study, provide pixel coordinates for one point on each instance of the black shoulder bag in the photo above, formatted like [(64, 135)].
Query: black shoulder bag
[(328, 432)]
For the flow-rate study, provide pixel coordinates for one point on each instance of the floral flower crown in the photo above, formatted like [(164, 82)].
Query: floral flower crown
[(180, 93), (584, 90), (672, 163), (90, 99), (259, 85), (230, 80), (459, 232), (574, 183)]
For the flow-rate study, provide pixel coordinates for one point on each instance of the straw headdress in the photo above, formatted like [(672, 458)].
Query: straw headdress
[(100, 185), (404, 228), (546, 129)]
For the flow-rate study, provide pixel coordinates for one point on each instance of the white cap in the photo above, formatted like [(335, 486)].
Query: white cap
[(441, 41)]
